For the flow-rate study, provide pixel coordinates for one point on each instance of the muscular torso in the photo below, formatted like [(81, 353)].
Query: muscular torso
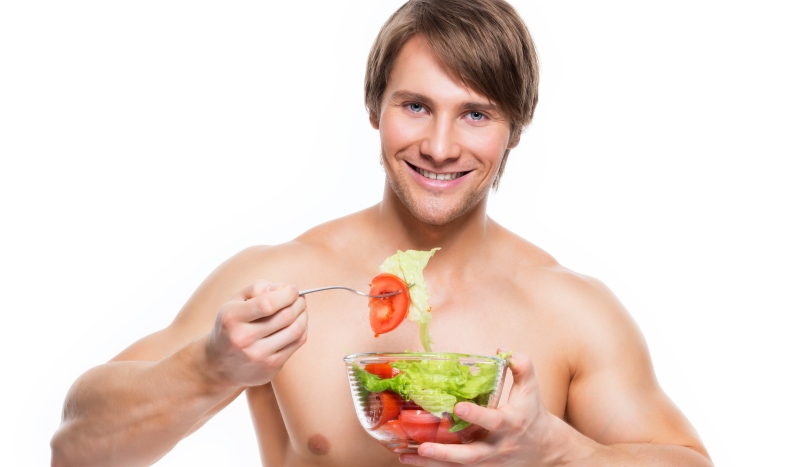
[(489, 289), (306, 415)]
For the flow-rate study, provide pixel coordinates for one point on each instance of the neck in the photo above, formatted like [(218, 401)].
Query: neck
[(466, 233)]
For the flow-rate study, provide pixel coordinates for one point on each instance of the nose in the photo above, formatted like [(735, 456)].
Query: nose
[(440, 142)]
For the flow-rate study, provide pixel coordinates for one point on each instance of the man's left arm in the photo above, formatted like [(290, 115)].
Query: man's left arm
[(616, 413)]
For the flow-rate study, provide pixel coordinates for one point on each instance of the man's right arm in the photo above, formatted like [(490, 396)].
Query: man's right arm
[(134, 409), (134, 412)]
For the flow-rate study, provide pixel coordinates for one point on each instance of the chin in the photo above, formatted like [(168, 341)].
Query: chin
[(435, 209), (434, 218), (438, 210)]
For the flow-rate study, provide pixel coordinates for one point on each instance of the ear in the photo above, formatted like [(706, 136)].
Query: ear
[(373, 120), (514, 141)]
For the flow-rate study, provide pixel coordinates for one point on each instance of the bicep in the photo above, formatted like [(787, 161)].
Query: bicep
[(618, 405), (196, 318), (614, 396)]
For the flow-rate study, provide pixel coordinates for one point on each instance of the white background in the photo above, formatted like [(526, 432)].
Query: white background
[(143, 143)]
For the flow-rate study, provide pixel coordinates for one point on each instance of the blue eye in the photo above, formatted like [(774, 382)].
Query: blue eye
[(477, 116), (414, 107)]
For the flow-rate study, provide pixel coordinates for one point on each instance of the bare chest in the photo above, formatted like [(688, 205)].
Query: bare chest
[(312, 395)]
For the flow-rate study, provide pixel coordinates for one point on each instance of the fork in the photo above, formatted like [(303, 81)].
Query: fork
[(383, 295)]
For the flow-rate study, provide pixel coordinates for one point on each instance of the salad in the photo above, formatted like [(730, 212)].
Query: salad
[(409, 397)]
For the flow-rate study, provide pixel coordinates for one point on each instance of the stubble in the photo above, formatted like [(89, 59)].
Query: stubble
[(432, 208)]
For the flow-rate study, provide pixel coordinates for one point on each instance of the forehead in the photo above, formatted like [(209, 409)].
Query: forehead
[(417, 69)]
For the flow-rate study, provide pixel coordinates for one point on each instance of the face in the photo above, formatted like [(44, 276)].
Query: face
[(441, 143)]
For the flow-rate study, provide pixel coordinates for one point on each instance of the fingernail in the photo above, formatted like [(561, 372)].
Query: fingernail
[(406, 459), (426, 451), (461, 410)]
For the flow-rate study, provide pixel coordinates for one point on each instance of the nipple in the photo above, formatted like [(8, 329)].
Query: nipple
[(319, 445)]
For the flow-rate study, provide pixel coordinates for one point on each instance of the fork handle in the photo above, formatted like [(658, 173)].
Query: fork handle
[(383, 295), (303, 292)]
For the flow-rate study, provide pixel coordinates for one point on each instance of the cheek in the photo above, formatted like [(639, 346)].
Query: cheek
[(488, 146), (398, 133)]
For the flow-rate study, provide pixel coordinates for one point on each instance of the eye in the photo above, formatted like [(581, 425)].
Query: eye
[(415, 107), (476, 116)]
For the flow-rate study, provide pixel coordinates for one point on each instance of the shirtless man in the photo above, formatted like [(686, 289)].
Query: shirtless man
[(450, 86)]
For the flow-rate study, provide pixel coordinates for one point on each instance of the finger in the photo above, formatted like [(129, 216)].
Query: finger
[(522, 398), (275, 356), (434, 454), (270, 301), (281, 330), (491, 419), (415, 459), (286, 309), (272, 324), (524, 375), (273, 350), (256, 288)]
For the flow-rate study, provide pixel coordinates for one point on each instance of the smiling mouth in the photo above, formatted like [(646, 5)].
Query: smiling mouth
[(435, 176)]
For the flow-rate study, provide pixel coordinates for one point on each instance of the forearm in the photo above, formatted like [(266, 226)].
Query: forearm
[(583, 451), (644, 454), (134, 412), (652, 454)]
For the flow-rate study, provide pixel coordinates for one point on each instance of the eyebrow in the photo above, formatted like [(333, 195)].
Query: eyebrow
[(423, 99)]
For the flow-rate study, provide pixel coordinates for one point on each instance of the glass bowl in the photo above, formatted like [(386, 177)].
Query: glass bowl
[(406, 399)]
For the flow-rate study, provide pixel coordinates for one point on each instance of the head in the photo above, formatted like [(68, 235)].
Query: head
[(483, 43)]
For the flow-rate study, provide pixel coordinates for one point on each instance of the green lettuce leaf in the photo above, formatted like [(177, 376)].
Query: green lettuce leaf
[(435, 385), (408, 265)]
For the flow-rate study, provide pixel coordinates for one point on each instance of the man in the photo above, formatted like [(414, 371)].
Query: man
[(450, 85)]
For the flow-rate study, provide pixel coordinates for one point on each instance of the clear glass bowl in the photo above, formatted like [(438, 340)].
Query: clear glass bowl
[(391, 392)]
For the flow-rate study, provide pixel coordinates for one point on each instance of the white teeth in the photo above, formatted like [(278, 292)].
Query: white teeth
[(433, 176)]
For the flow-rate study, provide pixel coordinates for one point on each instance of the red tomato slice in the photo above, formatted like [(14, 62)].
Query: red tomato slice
[(393, 435), (393, 430), (382, 370), (420, 425), (443, 434), (387, 313), (382, 407)]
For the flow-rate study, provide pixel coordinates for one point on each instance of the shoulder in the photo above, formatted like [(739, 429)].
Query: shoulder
[(305, 261), (301, 258), (601, 334), (590, 317), (534, 269), (612, 393)]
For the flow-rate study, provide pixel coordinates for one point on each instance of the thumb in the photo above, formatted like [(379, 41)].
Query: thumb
[(524, 376)]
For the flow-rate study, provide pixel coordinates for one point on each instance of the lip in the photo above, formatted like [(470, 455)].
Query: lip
[(436, 184)]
